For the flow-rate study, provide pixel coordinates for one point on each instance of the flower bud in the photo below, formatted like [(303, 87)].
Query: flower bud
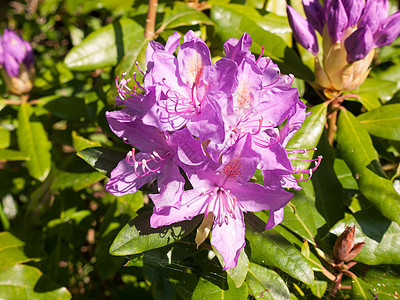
[(16, 63), (344, 249)]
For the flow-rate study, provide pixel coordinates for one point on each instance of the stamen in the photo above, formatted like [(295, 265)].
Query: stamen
[(261, 54)]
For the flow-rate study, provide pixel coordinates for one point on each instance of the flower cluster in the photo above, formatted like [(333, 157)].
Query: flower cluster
[(16, 60), (213, 124), (351, 30)]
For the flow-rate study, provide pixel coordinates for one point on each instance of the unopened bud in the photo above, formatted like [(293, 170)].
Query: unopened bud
[(16, 63), (344, 249)]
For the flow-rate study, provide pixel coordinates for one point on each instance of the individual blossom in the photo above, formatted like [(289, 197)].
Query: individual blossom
[(351, 31), (16, 63), (213, 125)]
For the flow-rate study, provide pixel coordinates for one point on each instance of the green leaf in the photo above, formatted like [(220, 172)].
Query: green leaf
[(301, 215), (33, 142), (182, 15), (106, 46), (7, 240), (383, 122), (318, 288), (76, 181), (266, 284), (12, 155), (237, 274), (328, 190), (206, 290), (81, 143), (360, 290), (269, 248), (384, 281), (10, 251), (344, 175), (359, 154), (102, 159), (372, 90), (308, 135), (233, 19), (5, 138), (26, 282), (137, 236), (380, 235)]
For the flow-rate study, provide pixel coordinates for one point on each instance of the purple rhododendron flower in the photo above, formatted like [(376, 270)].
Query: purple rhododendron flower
[(351, 30), (16, 62), (216, 124)]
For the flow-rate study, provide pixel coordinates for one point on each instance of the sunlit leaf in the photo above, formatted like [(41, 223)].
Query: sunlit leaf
[(102, 159)]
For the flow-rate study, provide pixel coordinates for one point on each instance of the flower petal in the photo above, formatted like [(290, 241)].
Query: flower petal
[(337, 20), (374, 12), (303, 32), (314, 12), (275, 218), (354, 9), (229, 239), (232, 47), (388, 30), (359, 44)]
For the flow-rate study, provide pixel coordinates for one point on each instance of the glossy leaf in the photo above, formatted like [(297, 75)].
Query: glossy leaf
[(266, 284), (328, 190), (106, 46), (137, 236), (318, 288), (360, 290), (359, 154), (26, 282), (308, 135), (232, 20), (380, 235), (344, 175), (33, 142), (384, 281), (301, 215), (102, 159), (383, 122), (373, 90), (81, 143), (12, 256), (237, 274), (206, 290), (12, 155), (75, 181), (269, 248), (183, 15)]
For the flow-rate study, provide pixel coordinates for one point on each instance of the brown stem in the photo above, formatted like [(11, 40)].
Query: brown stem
[(332, 126), (151, 19), (336, 286)]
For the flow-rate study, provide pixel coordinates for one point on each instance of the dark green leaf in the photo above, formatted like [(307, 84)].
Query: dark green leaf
[(308, 135), (137, 236), (380, 235), (269, 248), (266, 284), (106, 46), (232, 20), (206, 290), (360, 290), (301, 215), (33, 142), (328, 190), (102, 159), (359, 154), (383, 122), (26, 282), (344, 175), (239, 273)]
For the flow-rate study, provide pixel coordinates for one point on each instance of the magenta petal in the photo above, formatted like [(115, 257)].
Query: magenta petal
[(191, 206), (314, 12), (223, 77), (359, 44), (11, 65), (172, 43), (354, 9), (255, 197), (189, 150), (229, 239), (171, 184), (124, 180), (388, 30), (337, 20), (303, 32), (274, 158), (233, 46), (374, 12), (275, 218)]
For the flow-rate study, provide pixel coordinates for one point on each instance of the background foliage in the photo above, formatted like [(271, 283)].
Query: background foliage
[(63, 236)]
